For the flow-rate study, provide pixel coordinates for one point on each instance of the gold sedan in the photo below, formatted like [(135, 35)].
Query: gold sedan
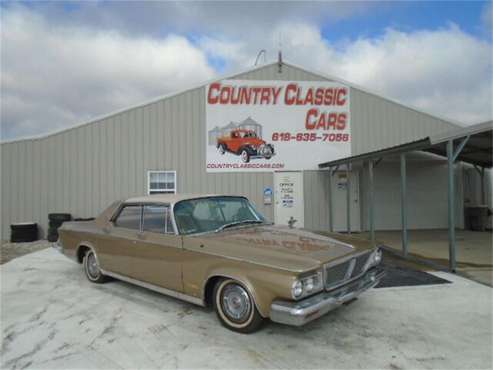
[(219, 251)]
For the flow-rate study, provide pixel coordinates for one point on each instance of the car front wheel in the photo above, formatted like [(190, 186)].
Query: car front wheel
[(91, 268), (245, 156), (235, 307)]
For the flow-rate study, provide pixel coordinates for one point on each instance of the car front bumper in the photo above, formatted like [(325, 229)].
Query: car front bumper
[(301, 312)]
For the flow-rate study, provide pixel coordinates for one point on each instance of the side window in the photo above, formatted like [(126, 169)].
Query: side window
[(157, 219), (129, 217)]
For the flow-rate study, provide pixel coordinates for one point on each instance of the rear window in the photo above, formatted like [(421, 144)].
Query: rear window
[(129, 217)]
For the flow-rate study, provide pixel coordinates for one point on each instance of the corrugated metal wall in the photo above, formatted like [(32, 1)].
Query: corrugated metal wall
[(83, 169), (378, 123), (316, 189), (426, 192)]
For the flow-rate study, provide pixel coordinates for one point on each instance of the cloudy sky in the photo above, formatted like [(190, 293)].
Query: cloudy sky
[(64, 63)]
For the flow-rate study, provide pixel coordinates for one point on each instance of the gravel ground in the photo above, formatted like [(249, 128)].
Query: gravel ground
[(9, 251)]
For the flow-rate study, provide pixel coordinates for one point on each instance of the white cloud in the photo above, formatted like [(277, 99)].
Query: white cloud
[(54, 76), (233, 18), (445, 71)]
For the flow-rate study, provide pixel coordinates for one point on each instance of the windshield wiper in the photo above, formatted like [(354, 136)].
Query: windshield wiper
[(236, 223)]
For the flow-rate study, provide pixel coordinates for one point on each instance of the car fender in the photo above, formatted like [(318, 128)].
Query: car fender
[(248, 148), (85, 244), (261, 303)]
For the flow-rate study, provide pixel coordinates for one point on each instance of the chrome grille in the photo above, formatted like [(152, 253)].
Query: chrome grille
[(337, 274), (360, 264), (334, 275)]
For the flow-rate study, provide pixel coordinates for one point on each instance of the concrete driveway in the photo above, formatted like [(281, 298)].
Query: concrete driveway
[(52, 317), (474, 252)]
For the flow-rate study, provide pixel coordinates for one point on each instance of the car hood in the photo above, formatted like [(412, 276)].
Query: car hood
[(279, 246)]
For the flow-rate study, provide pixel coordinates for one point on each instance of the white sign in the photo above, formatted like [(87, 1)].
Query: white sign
[(275, 125), (267, 196)]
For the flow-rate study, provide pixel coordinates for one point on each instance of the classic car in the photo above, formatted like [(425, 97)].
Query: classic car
[(246, 144), (219, 251)]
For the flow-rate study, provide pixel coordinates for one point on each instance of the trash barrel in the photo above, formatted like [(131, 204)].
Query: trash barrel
[(55, 221), (23, 232), (476, 217)]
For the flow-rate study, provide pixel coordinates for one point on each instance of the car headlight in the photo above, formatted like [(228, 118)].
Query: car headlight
[(307, 285), (375, 258)]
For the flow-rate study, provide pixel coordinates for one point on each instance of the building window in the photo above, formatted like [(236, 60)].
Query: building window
[(161, 182)]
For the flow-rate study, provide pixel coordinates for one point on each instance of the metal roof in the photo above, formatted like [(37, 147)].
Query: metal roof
[(478, 150), (224, 77)]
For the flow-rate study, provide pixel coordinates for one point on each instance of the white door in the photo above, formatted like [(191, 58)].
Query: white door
[(288, 198), (339, 205)]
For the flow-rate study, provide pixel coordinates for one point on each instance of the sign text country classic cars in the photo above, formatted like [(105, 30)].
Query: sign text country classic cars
[(275, 125)]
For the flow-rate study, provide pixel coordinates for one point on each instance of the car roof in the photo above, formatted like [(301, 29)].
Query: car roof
[(171, 198)]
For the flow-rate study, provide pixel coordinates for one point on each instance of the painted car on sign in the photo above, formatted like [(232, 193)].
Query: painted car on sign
[(246, 144), (219, 251)]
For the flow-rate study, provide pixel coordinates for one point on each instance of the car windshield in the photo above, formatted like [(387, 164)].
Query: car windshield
[(214, 214)]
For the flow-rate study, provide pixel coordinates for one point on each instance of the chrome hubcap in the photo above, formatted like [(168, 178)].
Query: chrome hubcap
[(236, 303), (92, 265), (244, 156)]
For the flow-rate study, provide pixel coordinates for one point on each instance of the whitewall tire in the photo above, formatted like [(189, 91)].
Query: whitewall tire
[(91, 268), (235, 307), (245, 156)]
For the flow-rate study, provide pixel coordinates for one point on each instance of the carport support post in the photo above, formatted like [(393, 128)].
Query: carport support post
[(451, 206), (331, 213), (404, 205), (481, 179), (483, 193), (371, 203), (348, 197), (451, 157)]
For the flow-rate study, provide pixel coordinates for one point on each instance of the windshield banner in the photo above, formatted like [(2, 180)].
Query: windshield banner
[(275, 125)]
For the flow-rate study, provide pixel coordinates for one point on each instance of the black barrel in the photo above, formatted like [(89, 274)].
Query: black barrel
[(23, 232), (55, 220)]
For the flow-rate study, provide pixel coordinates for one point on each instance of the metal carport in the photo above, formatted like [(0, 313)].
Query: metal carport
[(472, 144)]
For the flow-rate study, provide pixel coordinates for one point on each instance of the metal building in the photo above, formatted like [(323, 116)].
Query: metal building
[(161, 146)]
